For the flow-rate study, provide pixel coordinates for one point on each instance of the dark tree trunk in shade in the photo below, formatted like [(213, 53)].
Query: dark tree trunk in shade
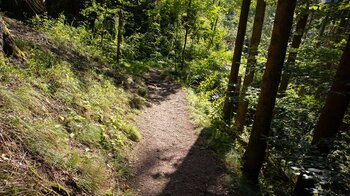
[(324, 24), (187, 29), (119, 38), (232, 92), (184, 49), (298, 35), (322, 29), (336, 104), (251, 64), (331, 117), (70, 8), (7, 43), (256, 150), (342, 27), (22, 9)]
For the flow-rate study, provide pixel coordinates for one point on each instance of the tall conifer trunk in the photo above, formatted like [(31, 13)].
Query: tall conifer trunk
[(336, 104), (299, 32), (331, 117), (256, 150), (251, 64), (232, 90), (119, 36), (187, 29)]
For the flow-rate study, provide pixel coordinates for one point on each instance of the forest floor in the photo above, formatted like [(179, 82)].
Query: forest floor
[(170, 159)]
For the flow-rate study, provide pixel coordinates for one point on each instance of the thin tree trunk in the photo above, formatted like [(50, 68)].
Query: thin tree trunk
[(312, 17), (119, 38), (214, 28), (256, 150), (232, 90), (184, 49), (251, 64), (299, 32), (331, 117), (323, 28), (342, 27), (186, 35), (176, 25)]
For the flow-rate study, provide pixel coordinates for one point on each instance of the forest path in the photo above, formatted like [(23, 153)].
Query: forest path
[(169, 160)]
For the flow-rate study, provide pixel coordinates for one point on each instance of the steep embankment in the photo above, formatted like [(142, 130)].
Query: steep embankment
[(65, 116), (169, 160)]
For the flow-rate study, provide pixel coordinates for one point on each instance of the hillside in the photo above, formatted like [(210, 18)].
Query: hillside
[(66, 115)]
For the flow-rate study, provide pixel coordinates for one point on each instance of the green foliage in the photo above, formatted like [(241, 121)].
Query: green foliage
[(68, 107), (295, 115), (71, 116)]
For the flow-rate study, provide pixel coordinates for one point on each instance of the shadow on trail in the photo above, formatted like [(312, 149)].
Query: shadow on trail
[(179, 164), (200, 173), (159, 87)]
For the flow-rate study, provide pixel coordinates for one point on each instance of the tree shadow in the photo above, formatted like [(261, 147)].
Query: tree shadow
[(201, 172), (185, 170), (159, 87)]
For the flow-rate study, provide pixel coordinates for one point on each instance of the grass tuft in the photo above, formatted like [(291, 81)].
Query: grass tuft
[(68, 123)]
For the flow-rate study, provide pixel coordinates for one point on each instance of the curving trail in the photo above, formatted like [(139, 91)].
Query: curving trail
[(169, 159)]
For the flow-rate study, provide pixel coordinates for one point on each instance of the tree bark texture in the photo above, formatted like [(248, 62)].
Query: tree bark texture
[(119, 37), (336, 104), (187, 29), (256, 150), (232, 92), (251, 64), (331, 117), (298, 35), (22, 9), (7, 43)]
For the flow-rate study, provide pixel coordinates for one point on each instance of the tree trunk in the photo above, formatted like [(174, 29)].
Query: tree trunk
[(213, 28), (68, 7), (299, 32), (186, 35), (232, 90), (22, 9), (336, 104), (184, 49), (324, 23), (342, 27), (251, 64), (322, 29), (256, 150), (331, 117), (7, 43), (119, 38)]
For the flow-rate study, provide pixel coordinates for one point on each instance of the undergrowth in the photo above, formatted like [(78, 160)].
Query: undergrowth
[(294, 119), (66, 118)]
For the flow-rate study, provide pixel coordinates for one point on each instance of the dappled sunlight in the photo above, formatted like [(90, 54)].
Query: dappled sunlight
[(169, 158)]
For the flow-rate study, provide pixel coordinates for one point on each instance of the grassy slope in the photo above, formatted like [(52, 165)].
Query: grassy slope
[(65, 116)]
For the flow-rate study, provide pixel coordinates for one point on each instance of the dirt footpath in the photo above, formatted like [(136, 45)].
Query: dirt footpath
[(169, 160)]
